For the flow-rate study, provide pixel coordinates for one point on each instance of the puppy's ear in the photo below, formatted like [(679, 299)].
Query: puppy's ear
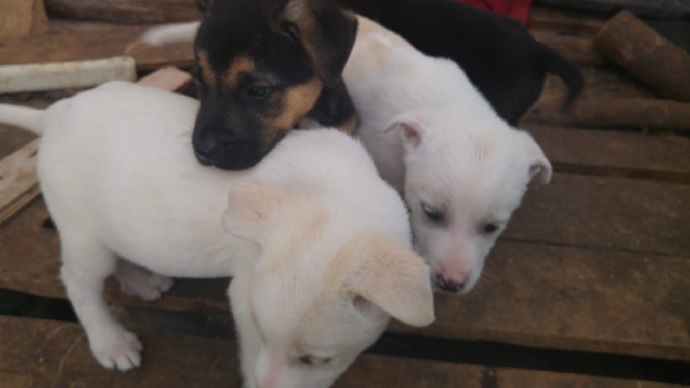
[(395, 280), (251, 208), (539, 166), (411, 129), (326, 33)]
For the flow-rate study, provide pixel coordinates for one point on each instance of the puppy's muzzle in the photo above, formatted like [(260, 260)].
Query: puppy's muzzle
[(228, 154), (452, 286)]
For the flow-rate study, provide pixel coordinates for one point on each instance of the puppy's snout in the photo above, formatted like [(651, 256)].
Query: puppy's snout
[(451, 285), (207, 152)]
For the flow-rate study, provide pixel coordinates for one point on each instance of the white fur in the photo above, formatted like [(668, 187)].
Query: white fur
[(170, 33), (434, 137), (318, 244)]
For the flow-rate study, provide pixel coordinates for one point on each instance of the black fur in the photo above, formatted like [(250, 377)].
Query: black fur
[(231, 127), (498, 54)]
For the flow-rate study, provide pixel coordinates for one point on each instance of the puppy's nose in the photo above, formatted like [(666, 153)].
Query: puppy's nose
[(450, 285), (207, 152)]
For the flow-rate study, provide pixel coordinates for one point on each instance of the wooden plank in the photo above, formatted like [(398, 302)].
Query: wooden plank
[(594, 300), (124, 11), (18, 180), (617, 149), (554, 18), (590, 299), (575, 48), (668, 9), (22, 18), (41, 353), (170, 78), (94, 44), (609, 213)]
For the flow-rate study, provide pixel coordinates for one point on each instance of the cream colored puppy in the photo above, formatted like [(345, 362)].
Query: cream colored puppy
[(462, 169), (318, 244)]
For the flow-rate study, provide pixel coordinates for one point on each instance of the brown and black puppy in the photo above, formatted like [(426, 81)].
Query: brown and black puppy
[(261, 67)]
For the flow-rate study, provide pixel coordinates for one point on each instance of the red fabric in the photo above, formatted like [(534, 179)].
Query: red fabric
[(516, 9)]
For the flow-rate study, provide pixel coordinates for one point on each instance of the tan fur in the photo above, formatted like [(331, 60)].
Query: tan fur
[(240, 65), (297, 102), (207, 73)]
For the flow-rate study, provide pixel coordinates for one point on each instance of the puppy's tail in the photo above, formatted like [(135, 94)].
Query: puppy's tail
[(554, 63), (170, 33), (22, 117)]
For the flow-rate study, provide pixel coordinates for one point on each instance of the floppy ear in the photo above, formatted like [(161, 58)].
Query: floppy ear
[(539, 166), (326, 33), (251, 207), (395, 280), (411, 129)]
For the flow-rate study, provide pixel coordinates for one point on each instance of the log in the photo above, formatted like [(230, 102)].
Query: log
[(651, 8), (124, 11), (573, 47), (64, 75), (649, 56), (22, 18)]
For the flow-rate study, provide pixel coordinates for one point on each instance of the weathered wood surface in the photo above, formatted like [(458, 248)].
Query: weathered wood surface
[(94, 44), (574, 47), (587, 264), (645, 53), (22, 18), (39, 353), (669, 9), (124, 11), (554, 18), (18, 180)]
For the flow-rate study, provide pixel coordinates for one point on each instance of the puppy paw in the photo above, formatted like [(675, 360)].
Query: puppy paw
[(119, 350), (148, 288), (138, 281)]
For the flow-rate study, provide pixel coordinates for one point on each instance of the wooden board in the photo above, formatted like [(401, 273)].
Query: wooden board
[(124, 11), (40, 353), (18, 180), (615, 149), (551, 295), (95, 44), (22, 18)]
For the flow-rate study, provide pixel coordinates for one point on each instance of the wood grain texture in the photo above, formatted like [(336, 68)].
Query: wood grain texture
[(22, 18), (124, 11), (18, 180), (40, 353), (94, 44)]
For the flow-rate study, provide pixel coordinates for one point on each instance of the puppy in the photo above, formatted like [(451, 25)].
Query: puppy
[(463, 170), (318, 244), (497, 53), (262, 66)]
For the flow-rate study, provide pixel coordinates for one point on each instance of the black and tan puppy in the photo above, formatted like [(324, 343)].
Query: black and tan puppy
[(261, 67), (498, 54)]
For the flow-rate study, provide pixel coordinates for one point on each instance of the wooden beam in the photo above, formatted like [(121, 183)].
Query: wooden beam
[(124, 11), (18, 180), (22, 18)]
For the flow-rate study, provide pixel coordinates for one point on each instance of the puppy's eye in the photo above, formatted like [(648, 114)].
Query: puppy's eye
[(434, 215), (489, 228), (311, 360), (258, 92)]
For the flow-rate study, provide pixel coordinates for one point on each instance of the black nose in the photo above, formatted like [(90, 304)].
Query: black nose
[(207, 152), (449, 285)]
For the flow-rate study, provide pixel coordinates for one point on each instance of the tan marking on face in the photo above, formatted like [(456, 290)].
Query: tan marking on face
[(207, 74), (297, 102), (241, 65)]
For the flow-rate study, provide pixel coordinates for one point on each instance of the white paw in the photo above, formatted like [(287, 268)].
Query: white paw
[(119, 350), (149, 287)]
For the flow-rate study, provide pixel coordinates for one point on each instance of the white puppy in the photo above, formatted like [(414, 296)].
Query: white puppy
[(318, 244), (462, 169)]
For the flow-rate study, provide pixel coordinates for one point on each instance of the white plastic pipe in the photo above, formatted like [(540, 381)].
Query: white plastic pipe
[(62, 75)]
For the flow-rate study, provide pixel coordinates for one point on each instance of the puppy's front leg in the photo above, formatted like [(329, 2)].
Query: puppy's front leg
[(85, 266), (250, 341), (139, 281)]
